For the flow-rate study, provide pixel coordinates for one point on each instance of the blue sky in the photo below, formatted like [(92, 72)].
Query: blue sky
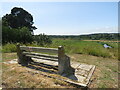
[(70, 18)]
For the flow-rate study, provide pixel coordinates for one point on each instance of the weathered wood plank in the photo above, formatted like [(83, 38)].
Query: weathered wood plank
[(41, 55), (46, 62), (42, 58), (39, 49)]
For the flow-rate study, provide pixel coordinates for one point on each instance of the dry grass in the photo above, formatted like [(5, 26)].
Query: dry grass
[(21, 77), (8, 56), (16, 76)]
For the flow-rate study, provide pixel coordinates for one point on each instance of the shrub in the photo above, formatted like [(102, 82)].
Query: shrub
[(21, 35), (42, 39), (9, 48)]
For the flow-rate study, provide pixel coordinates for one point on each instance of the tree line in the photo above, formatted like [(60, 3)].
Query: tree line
[(98, 36)]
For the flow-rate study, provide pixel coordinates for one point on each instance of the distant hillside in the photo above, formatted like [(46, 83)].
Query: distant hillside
[(98, 36)]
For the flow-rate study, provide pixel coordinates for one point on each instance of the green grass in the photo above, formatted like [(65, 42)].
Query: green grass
[(87, 47), (94, 48)]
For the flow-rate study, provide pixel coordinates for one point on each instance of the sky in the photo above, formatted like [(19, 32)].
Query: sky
[(69, 18)]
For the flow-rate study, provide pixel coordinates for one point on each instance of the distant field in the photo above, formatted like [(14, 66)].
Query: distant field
[(94, 48)]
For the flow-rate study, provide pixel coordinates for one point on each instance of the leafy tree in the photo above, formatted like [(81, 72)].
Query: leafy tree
[(19, 18), (17, 26)]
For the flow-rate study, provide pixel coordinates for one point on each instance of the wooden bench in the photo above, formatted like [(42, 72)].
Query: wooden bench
[(25, 55)]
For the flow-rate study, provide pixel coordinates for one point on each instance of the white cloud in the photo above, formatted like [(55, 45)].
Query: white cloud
[(106, 29)]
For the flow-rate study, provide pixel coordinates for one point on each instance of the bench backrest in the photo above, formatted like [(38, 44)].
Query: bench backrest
[(40, 49)]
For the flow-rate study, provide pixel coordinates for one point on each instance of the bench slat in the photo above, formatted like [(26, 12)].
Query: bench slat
[(40, 49), (41, 55), (43, 58)]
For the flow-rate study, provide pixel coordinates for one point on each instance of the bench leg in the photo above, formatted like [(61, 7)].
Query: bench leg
[(24, 60), (64, 67)]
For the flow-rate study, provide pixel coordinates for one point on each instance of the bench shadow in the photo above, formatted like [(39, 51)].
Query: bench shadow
[(48, 68), (43, 67)]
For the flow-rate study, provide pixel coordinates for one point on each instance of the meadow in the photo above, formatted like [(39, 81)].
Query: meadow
[(87, 47), (89, 52), (94, 48)]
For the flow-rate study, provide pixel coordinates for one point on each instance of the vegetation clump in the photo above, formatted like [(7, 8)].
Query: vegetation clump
[(42, 39)]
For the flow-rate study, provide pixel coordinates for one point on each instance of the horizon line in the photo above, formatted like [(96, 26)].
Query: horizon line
[(78, 34)]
